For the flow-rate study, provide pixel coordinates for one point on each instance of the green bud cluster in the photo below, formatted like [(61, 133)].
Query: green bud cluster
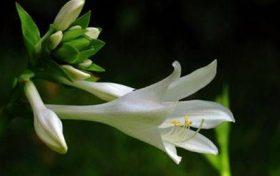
[(76, 44), (65, 50)]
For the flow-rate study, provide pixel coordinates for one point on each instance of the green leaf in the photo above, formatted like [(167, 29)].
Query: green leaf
[(30, 31), (67, 53), (83, 21), (72, 34), (50, 70), (93, 67)]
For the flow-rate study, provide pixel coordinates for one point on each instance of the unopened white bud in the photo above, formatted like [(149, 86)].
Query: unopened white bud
[(76, 74), (55, 39), (93, 32), (46, 123), (68, 14), (86, 63)]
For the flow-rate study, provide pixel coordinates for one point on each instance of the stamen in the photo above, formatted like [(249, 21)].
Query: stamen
[(197, 131), (179, 132), (188, 122), (175, 123)]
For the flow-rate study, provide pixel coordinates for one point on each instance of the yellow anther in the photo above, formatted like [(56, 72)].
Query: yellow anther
[(188, 122), (176, 123)]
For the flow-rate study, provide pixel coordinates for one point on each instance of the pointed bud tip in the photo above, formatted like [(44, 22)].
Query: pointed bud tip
[(68, 14), (63, 149), (55, 39)]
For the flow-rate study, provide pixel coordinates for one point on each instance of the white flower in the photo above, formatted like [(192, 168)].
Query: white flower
[(68, 14), (46, 123), (154, 115)]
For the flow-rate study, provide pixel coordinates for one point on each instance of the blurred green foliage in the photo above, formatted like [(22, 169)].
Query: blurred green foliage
[(143, 38)]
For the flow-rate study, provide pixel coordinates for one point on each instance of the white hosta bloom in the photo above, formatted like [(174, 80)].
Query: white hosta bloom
[(46, 123), (154, 116), (92, 32), (68, 14)]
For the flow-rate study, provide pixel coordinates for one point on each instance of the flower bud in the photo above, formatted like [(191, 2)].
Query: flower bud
[(86, 63), (92, 32), (46, 123), (55, 40), (76, 74), (68, 14)]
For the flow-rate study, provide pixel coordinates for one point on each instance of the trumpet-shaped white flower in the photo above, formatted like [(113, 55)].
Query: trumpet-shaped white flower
[(68, 14), (154, 115), (46, 123)]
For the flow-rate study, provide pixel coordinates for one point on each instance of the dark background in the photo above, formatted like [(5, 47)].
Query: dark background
[(143, 39)]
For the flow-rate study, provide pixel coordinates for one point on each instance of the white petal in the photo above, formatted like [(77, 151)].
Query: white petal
[(103, 90), (172, 152), (157, 91), (190, 140), (191, 83), (68, 14), (197, 110), (198, 143)]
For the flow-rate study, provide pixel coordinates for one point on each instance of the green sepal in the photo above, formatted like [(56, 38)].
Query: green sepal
[(93, 67), (85, 54), (83, 21), (67, 53), (79, 43), (72, 34), (92, 78), (48, 69), (96, 44), (30, 31)]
